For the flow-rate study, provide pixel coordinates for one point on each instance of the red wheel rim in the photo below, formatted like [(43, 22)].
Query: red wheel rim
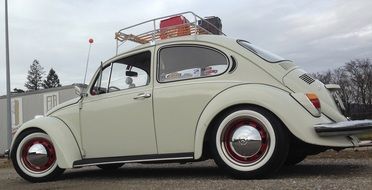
[(228, 135), (51, 155)]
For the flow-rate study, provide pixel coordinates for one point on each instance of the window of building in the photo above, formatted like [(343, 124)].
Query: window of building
[(17, 114), (50, 101), (186, 62)]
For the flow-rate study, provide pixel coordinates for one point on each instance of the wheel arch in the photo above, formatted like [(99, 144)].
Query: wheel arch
[(62, 138), (267, 97)]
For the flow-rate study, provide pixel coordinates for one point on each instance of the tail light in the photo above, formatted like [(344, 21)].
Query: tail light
[(314, 100)]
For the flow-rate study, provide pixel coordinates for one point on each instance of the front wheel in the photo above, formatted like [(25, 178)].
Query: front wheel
[(249, 142), (34, 157)]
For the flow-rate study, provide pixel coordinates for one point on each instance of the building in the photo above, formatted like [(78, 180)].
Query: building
[(27, 105)]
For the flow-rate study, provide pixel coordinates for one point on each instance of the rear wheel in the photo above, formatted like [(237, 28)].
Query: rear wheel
[(110, 166), (34, 157), (294, 159), (249, 142)]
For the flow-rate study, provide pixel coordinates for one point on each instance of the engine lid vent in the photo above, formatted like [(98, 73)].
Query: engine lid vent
[(308, 79)]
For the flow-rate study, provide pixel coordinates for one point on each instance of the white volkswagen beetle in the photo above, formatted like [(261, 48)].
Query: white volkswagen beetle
[(188, 97)]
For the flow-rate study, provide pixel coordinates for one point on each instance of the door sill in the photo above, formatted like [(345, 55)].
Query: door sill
[(133, 159)]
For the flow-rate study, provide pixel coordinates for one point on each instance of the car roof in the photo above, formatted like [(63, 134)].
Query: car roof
[(214, 39)]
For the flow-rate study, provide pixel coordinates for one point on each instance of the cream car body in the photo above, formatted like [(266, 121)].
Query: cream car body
[(170, 120)]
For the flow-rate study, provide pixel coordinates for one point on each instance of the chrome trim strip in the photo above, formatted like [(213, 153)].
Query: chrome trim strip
[(133, 161)]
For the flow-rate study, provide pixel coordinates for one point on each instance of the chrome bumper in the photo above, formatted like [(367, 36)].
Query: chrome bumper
[(344, 128), (6, 154)]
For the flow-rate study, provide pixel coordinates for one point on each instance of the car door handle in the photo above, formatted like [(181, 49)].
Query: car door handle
[(142, 96)]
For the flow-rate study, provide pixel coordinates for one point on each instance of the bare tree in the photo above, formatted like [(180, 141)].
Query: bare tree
[(358, 72), (325, 77), (355, 80)]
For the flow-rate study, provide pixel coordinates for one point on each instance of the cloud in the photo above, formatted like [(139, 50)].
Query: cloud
[(317, 35)]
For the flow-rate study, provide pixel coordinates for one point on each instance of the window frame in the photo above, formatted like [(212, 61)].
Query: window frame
[(189, 45), (110, 64)]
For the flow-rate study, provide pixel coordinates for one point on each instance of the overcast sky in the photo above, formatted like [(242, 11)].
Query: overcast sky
[(317, 35)]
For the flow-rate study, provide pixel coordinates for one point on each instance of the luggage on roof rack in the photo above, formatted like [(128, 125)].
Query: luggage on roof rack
[(182, 27), (213, 24), (182, 24)]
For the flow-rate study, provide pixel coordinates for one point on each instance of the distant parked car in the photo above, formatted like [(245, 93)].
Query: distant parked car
[(189, 96)]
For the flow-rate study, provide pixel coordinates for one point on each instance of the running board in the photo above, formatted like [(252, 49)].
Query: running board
[(133, 159)]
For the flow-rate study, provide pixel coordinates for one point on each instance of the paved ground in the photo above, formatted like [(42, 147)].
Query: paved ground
[(352, 170)]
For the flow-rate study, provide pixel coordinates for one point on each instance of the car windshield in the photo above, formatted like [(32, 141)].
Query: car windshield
[(264, 54)]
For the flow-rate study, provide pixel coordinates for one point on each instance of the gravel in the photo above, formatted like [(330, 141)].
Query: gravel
[(330, 170)]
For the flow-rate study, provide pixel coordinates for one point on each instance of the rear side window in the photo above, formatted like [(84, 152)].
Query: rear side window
[(264, 54), (187, 62)]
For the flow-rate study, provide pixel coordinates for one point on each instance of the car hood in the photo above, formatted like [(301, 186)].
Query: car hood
[(63, 105)]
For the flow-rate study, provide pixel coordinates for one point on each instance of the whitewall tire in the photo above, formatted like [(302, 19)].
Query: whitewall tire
[(34, 156), (249, 142)]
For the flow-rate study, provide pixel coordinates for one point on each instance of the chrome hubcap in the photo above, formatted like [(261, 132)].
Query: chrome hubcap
[(38, 155), (246, 141)]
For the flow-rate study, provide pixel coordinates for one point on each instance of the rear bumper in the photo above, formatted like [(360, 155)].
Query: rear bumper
[(344, 128), (348, 129)]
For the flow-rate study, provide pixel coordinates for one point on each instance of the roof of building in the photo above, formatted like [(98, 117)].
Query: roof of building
[(42, 91)]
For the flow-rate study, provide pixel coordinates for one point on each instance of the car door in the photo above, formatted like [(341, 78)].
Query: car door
[(187, 77), (117, 116)]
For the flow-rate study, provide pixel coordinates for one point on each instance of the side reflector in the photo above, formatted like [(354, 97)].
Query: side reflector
[(314, 100)]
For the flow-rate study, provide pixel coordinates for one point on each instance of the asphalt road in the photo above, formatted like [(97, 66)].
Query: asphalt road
[(320, 172)]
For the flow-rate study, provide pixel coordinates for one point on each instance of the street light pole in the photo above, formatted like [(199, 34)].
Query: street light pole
[(8, 98)]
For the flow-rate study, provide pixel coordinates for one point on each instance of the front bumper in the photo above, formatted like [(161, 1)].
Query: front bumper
[(6, 154), (348, 129)]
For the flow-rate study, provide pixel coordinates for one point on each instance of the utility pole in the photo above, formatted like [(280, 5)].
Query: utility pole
[(8, 98)]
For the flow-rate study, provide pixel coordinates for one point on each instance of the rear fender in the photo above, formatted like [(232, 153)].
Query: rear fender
[(295, 117)]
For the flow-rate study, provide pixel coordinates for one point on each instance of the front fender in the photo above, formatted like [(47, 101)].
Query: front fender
[(63, 140), (298, 121)]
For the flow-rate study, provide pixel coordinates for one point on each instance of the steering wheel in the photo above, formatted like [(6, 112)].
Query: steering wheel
[(114, 88)]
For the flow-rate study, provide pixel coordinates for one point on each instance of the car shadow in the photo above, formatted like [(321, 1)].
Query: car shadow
[(211, 171), (329, 170), (149, 172)]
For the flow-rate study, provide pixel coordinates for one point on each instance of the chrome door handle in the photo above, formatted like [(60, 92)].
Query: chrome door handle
[(142, 96)]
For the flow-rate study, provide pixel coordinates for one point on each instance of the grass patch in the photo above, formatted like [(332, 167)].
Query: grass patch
[(367, 136), (5, 163)]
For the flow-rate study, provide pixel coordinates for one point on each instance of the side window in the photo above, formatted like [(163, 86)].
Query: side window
[(102, 80), (125, 73), (185, 62)]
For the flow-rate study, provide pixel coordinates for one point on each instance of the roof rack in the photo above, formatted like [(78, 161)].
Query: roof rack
[(155, 32)]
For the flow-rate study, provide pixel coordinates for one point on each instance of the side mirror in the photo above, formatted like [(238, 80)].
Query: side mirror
[(80, 91), (131, 74)]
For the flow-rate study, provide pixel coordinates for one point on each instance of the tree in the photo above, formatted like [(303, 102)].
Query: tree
[(325, 77), (52, 80), (18, 90), (35, 74), (359, 73), (355, 80)]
